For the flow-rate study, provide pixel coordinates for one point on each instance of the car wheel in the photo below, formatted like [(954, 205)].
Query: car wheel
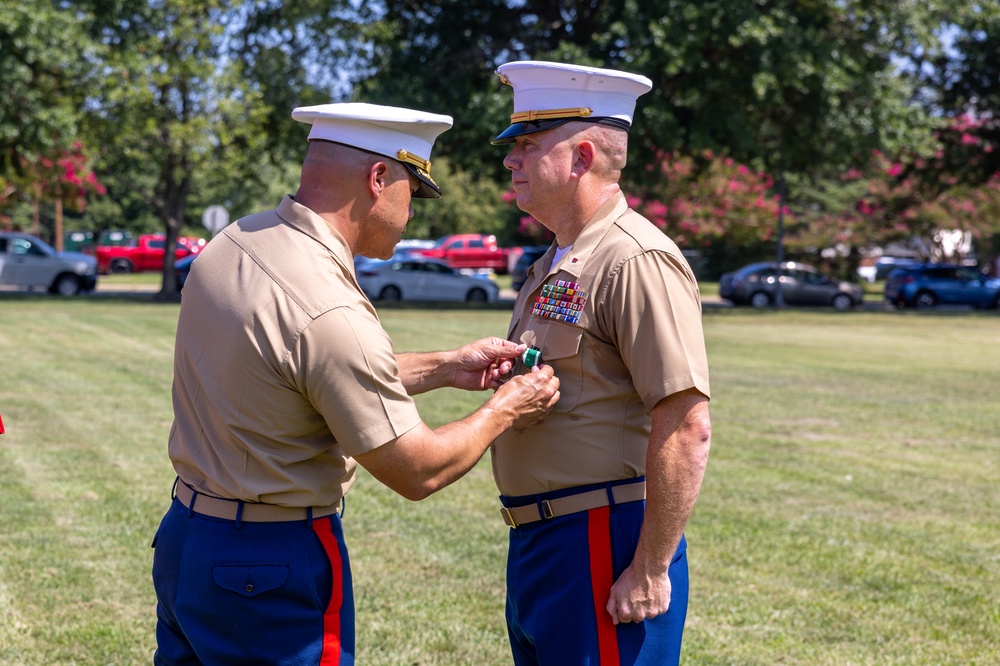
[(66, 285), (476, 295), (390, 293), (925, 300), (121, 266), (760, 299), (843, 302)]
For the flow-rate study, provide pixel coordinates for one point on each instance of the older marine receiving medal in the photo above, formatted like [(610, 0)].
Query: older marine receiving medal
[(597, 494)]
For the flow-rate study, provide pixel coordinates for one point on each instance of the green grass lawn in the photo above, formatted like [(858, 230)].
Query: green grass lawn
[(850, 514)]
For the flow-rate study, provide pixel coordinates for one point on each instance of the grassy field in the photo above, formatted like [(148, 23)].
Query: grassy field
[(850, 514)]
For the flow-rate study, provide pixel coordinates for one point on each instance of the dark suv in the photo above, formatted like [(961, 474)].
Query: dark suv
[(929, 285), (519, 273)]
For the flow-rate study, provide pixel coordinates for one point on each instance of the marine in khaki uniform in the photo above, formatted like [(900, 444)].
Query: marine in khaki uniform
[(598, 493), (285, 381)]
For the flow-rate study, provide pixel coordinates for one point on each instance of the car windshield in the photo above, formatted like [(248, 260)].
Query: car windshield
[(34, 246), (754, 268)]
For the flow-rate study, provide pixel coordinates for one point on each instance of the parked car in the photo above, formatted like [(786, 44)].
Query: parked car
[(181, 269), (886, 264), (801, 284), (418, 279), (469, 251), (411, 247), (28, 261), (529, 255), (929, 285), (141, 254), (194, 244)]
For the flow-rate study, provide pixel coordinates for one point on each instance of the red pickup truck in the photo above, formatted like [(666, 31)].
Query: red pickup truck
[(144, 253), (476, 251)]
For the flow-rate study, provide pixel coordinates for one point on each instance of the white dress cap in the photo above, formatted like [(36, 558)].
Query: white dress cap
[(547, 94), (404, 135)]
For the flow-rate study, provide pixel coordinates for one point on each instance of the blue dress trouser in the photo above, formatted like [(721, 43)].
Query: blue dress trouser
[(252, 593), (559, 573)]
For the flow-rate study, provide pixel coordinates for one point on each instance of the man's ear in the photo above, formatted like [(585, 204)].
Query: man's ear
[(584, 158), (378, 178)]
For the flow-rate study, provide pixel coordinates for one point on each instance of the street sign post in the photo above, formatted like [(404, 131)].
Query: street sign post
[(215, 218)]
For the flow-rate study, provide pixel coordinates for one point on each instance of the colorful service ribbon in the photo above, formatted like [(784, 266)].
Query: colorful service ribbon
[(562, 301)]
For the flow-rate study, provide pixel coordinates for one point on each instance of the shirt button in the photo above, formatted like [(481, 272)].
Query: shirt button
[(249, 587)]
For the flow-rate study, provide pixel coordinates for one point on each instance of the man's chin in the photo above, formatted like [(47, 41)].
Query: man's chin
[(378, 255)]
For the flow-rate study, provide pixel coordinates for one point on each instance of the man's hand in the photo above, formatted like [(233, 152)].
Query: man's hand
[(529, 397), (636, 596), (483, 364)]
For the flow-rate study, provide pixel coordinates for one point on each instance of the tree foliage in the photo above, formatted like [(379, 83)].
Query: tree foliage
[(470, 205), (162, 93), (783, 84), (46, 67), (881, 116), (293, 54), (197, 101), (802, 91)]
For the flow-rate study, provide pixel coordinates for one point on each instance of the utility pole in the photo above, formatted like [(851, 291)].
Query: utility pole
[(779, 299)]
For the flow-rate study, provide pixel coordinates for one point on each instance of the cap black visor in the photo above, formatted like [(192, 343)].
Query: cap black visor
[(519, 129), (427, 189)]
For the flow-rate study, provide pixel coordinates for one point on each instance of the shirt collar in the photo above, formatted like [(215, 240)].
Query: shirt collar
[(314, 226), (588, 240)]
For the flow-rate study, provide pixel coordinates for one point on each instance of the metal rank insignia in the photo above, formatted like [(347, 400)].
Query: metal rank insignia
[(563, 301)]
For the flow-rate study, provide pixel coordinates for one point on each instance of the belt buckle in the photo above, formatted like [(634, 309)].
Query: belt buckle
[(508, 517), (546, 510)]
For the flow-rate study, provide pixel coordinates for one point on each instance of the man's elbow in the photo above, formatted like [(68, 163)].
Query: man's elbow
[(700, 435), (415, 487), (416, 491)]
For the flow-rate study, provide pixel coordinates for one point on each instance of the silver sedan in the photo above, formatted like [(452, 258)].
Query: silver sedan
[(415, 279)]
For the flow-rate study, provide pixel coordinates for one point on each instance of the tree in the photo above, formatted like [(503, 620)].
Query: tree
[(791, 88), (295, 54), (161, 94), (713, 204), (200, 93), (45, 70), (928, 200), (962, 75), (784, 83), (65, 181), (469, 205)]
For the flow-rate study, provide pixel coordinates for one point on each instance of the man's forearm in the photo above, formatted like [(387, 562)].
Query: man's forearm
[(675, 467), (424, 371)]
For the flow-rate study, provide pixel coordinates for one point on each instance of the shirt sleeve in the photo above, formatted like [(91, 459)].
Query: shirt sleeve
[(348, 371), (653, 310)]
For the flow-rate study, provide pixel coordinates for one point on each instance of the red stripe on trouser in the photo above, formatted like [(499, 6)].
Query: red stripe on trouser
[(599, 537), (331, 618)]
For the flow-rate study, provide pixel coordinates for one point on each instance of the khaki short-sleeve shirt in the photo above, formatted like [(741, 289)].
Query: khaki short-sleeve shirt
[(619, 320), (282, 371)]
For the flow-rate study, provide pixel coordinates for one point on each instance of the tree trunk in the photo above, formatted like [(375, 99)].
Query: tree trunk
[(59, 225)]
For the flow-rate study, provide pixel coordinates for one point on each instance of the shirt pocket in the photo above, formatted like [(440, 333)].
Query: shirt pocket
[(559, 344)]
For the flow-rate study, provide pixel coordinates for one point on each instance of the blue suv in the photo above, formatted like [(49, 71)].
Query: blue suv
[(929, 285)]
